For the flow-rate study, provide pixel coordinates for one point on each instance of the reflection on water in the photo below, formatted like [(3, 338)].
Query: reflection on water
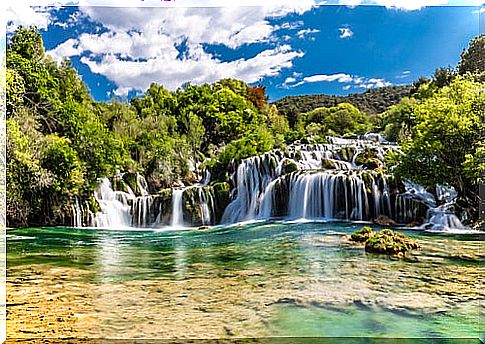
[(259, 279)]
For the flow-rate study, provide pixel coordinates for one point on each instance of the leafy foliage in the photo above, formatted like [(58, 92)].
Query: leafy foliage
[(371, 102), (447, 138), (61, 142), (473, 57)]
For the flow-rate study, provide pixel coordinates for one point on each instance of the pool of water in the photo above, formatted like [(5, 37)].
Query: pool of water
[(266, 279)]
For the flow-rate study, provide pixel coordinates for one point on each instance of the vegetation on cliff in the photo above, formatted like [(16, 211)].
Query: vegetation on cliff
[(61, 141)]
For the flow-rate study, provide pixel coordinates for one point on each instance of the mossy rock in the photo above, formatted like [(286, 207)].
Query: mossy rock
[(362, 235), (289, 166), (328, 164), (384, 220), (130, 178), (388, 242), (93, 205), (119, 184), (222, 192), (368, 159), (298, 155)]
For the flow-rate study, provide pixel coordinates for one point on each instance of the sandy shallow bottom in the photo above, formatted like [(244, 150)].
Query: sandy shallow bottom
[(49, 301)]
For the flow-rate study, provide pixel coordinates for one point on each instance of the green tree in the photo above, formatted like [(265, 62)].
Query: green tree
[(447, 137), (473, 57)]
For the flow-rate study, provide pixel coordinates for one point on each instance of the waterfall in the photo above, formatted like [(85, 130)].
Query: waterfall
[(206, 201), (251, 179), (177, 208), (442, 218), (325, 181), (330, 195), (115, 207), (77, 214), (339, 180)]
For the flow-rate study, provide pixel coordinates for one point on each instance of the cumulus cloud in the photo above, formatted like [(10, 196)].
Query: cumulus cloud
[(345, 32), (351, 81), (20, 12), (143, 45), (136, 75), (409, 5)]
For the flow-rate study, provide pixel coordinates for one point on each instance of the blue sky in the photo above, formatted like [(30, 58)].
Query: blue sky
[(307, 50)]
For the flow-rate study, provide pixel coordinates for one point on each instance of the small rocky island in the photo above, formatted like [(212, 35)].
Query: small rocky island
[(385, 241)]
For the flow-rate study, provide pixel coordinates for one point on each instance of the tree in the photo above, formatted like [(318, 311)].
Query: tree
[(341, 119), (397, 122), (447, 138), (473, 57)]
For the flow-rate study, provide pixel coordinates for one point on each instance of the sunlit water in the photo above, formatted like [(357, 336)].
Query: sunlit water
[(255, 280)]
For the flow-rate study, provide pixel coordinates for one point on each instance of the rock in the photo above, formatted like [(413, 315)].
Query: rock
[(201, 228), (130, 179), (384, 220), (289, 166), (328, 164), (389, 242), (368, 159), (362, 235)]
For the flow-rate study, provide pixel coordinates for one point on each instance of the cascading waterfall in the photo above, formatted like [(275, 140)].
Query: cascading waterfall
[(328, 183), (115, 206), (251, 179), (442, 218), (305, 181), (314, 192), (177, 208)]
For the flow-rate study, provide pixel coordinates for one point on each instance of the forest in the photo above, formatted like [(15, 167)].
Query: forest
[(61, 142)]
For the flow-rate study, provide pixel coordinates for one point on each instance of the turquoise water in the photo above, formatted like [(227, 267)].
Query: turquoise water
[(287, 279)]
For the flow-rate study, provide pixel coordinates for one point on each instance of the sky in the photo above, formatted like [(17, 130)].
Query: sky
[(296, 48)]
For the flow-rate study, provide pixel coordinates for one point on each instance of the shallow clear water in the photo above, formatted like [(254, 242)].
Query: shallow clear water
[(256, 280)]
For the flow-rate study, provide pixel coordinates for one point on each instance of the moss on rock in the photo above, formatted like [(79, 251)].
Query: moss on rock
[(362, 235), (368, 159), (385, 241), (328, 164), (289, 166), (390, 242)]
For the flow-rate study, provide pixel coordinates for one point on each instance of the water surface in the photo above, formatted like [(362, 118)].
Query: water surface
[(266, 279)]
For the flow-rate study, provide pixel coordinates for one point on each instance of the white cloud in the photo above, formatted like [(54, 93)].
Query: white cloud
[(409, 5), (345, 32), (404, 74), (203, 68), (19, 12), (340, 77), (142, 45), (303, 33), (352, 81)]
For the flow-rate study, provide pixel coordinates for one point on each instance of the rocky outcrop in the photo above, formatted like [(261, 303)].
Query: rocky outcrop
[(385, 241)]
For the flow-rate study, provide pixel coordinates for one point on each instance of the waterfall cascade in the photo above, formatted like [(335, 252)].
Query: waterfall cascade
[(339, 180), (121, 209)]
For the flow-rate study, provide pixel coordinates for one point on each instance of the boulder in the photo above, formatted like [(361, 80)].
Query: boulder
[(289, 166), (383, 220)]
